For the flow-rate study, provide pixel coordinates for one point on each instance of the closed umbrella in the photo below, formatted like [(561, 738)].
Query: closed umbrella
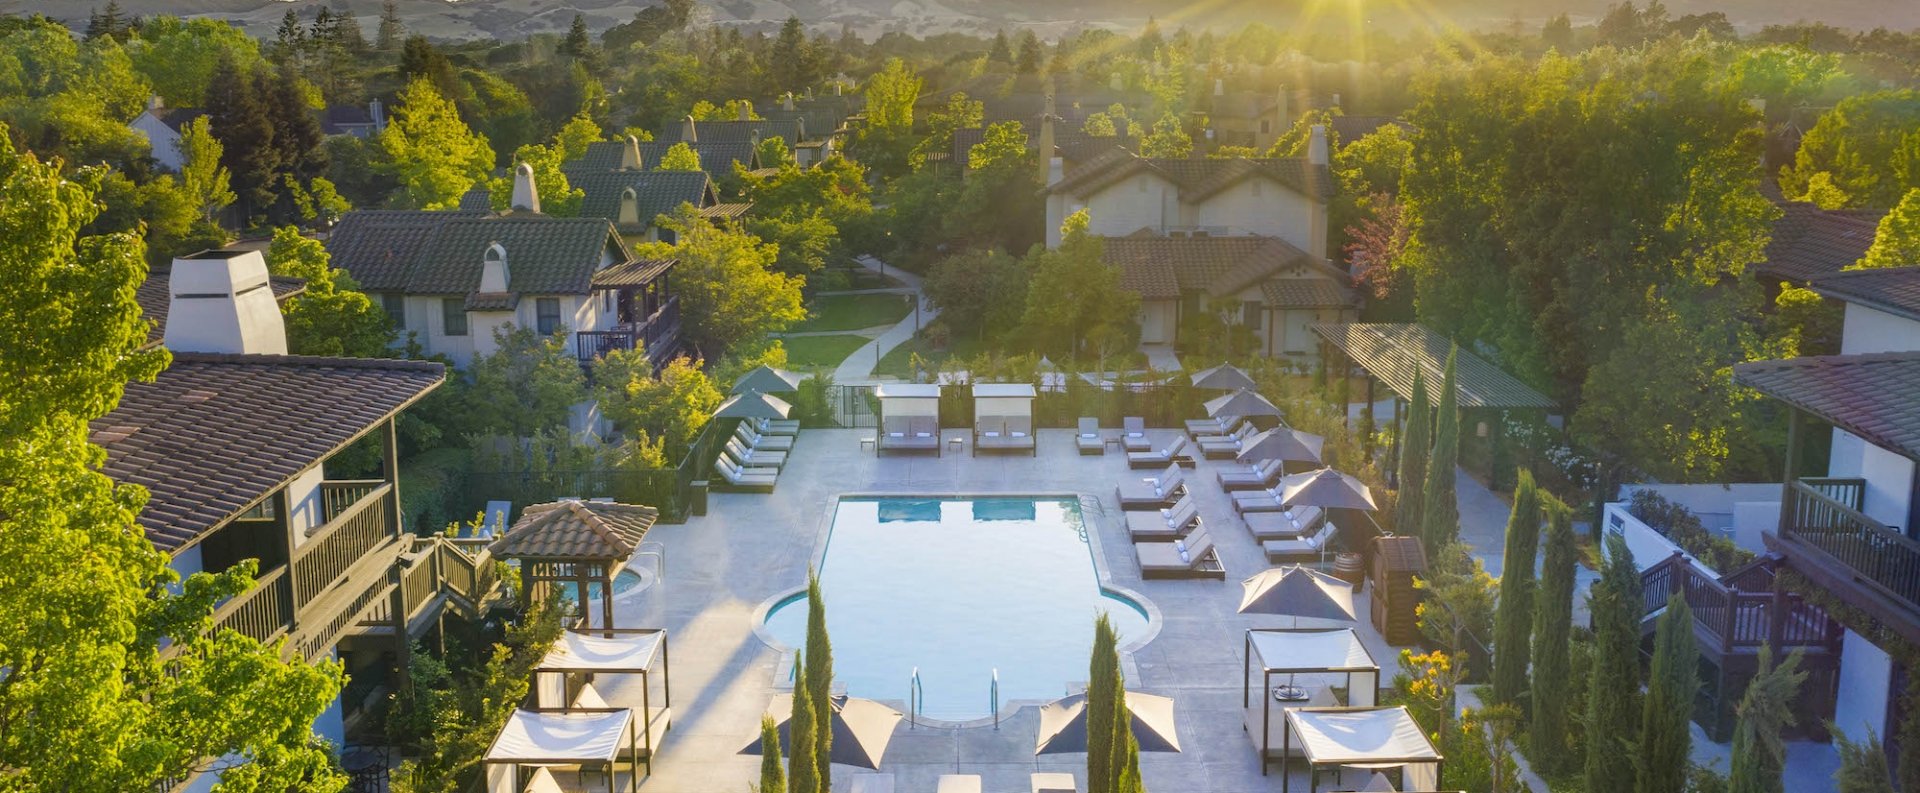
[(1284, 444), (1297, 592), (861, 729), (1063, 724), (1225, 377), (1326, 489), (768, 380), (753, 405), (1243, 402)]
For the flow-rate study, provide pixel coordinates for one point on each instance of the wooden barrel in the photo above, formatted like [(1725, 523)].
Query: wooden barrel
[(1348, 567)]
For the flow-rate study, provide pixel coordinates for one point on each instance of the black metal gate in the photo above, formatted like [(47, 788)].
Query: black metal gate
[(854, 406)]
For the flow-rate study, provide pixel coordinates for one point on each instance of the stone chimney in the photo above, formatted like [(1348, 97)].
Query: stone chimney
[(378, 112), (526, 198), (630, 155), (629, 208), (787, 104), (493, 269), (1317, 145), (689, 132), (221, 301)]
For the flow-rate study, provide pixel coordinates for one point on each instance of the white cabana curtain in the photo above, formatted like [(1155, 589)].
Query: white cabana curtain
[(1003, 400), (550, 738), (1330, 651)]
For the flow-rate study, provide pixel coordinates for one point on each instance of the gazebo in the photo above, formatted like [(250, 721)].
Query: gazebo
[(1364, 738), (574, 542), (561, 679), (590, 739), (1003, 417), (1319, 652), (909, 416)]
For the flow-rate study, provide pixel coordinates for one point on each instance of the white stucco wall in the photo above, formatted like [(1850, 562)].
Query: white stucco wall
[(1889, 476), (1866, 674), (1867, 330), (1157, 321), (305, 510), (1273, 211), (164, 141), (1136, 202)]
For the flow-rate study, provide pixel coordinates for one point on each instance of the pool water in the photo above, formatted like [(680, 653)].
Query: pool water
[(622, 584), (959, 588)]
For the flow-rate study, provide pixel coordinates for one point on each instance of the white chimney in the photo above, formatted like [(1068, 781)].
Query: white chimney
[(221, 301), (525, 197), (1336, 100), (746, 110), (689, 132), (1219, 87), (837, 88), (493, 269), (630, 155), (379, 113), (154, 102), (787, 104), (1317, 145), (629, 208), (809, 93)]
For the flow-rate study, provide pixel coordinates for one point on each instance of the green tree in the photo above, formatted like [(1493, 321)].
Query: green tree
[(730, 292), (977, 291), (1462, 596), (330, 316), (1549, 728), (1661, 758), (773, 777), (891, 94), (818, 679), (959, 113), (531, 382), (803, 760), (239, 116), (1107, 728), (203, 179), (1896, 242), (1613, 711), (674, 406), (1410, 505), (1099, 125), (1863, 764), (178, 56), (1168, 140), (773, 153), (578, 43), (1513, 622), (392, 30), (1823, 193), (558, 197), (1030, 58), (1868, 144), (795, 65), (1759, 754), (1074, 297), (1000, 51), (1440, 514), (431, 151), (678, 157)]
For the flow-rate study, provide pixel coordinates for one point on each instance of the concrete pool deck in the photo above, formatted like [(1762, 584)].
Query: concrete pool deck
[(748, 548)]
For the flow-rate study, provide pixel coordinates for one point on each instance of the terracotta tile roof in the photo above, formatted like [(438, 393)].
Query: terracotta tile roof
[(1871, 396), (656, 192), (1895, 290), (379, 247), (155, 299), (1392, 351), (1808, 241), (214, 434), (1197, 178), (1306, 293), (576, 530), (638, 272), (1162, 268)]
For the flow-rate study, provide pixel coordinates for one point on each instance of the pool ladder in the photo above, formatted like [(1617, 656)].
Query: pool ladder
[(916, 699), (993, 698)]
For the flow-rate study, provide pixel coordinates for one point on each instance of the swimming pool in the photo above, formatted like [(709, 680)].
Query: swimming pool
[(623, 583), (959, 588)]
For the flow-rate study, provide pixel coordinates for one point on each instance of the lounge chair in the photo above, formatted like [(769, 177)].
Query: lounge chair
[(754, 457), (777, 426), (1174, 454), (912, 433), (1133, 434), (737, 478), (990, 433), (1289, 525), (1309, 549), (1089, 437), (731, 454), (759, 441), (1193, 557), (1267, 500), (1226, 446), (1020, 434), (1259, 476), (1152, 493), (1214, 426), (1165, 525), (1227, 432)]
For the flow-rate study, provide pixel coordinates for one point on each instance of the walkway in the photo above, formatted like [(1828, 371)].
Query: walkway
[(857, 369)]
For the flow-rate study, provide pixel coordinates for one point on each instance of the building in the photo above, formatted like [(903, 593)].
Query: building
[(1263, 284), (162, 126), (751, 131), (1249, 118), (452, 279), (354, 121)]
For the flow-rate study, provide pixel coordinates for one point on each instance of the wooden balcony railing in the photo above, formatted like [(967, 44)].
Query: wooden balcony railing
[(263, 612), (658, 333), (1741, 611), (336, 496), (436, 566), (1851, 492), (1887, 559), (357, 528)]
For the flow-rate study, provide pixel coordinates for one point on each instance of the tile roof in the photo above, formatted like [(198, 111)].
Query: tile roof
[(1071, 144), (545, 255), (1808, 241), (576, 530), (155, 299), (730, 211), (379, 247), (1162, 268), (605, 155), (1868, 395), (176, 118), (1197, 178), (492, 301), (1243, 104), (1895, 290), (638, 272), (716, 157), (731, 131), (655, 192), (1391, 351), (479, 199), (213, 434), (1306, 293)]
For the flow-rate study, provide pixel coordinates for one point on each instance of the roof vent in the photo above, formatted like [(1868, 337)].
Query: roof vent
[(630, 155), (493, 270), (222, 302), (526, 198)]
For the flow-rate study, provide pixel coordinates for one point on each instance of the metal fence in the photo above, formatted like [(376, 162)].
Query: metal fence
[(669, 490), (1159, 404)]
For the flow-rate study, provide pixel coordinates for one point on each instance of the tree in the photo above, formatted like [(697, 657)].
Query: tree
[(239, 117), (1513, 622), (891, 94), (201, 176), (577, 43), (330, 316), (110, 23), (1099, 125), (1168, 140), (1411, 504), (1074, 297), (180, 57), (1000, 51), (1107, 728), (531, 381), (959, 113), (1897, 241), (818, 679), (432, 152), (1759, 755), (289, 40), (729, 290), (1613, 711), (679, 157), (1440, 514), (1863, 764), (1661, 760), (297, 138), (803, 761), (795, 65), (1552, 635), (673, 407), (1030, 58), (1558, 32), (977, 291), (1868, 146), (773, 153), (773, 778), (392, 30)]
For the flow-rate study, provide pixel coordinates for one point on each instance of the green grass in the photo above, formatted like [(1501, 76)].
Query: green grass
[(898, 362), (820, 352), (854, 312)]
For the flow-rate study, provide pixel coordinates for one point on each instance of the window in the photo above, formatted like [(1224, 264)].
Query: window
[(453, 316), (396, 307), (546, 315), (1250, 312), (607, 301)]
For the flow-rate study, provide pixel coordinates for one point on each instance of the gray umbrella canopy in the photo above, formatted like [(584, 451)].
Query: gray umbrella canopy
[(1283, 444), (861, 729), (1243, 402), (1326, 489), (1299, 592), (1063, 724), (753, 405), (1225, 377), (767, 379)]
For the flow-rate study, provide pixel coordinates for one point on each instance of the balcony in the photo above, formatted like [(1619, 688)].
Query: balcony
[(1850, 550), (1740, 612), (437, 572), (659, 334)]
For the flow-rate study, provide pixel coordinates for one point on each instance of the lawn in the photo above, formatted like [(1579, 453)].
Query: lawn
[(854, 312), (807, 353)]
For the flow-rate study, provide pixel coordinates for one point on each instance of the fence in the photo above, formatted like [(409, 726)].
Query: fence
[(1159, 404), (669, 490)]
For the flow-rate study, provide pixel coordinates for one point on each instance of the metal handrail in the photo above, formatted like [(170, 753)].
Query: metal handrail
[(916, 698), (993, 697)]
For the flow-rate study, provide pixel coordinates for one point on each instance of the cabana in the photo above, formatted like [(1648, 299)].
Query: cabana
[(1003, 417), (1317, 652), (909, 417), (575, 543), (560, 681), (589, 739), (1377, 739)]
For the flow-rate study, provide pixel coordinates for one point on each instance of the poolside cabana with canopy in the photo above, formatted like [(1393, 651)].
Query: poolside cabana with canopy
[(1320, 653), (560, 681), (1378, 739), (574, 542), (909, 417), (590, 739), (1003, 417)]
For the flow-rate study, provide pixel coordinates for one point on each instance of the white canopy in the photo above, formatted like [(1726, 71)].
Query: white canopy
[(907, 391), (1371, 737), (542, 782), (559, 738), (1333, 650), (1003, 390), (624, 652)]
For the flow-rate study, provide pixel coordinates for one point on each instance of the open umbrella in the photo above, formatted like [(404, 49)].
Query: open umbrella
[(753, 405), (1225, 377), (1326, 489), (1063, 724), (1297, 592), (1243, 402), (767, 379), (1283, 444), (861, 729)]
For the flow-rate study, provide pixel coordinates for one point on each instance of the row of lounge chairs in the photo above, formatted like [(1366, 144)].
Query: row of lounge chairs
[(1004, 433), (1170, 540), (752, 457), (910, 433), (1296, 534)]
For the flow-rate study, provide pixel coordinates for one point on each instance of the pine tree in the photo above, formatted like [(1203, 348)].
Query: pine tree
[(110, 23), (240, 120), (1030, 58), (1104, 698), (803, 763), (1413, 461), (1552, 635), (773, 778), (819, 679), (1513, 622), (289, 40), (297, 136), (1759, 755), (1666, 743), (578, 42), (1613, 709), (392, 30), (1000, 52), (1440, 518)]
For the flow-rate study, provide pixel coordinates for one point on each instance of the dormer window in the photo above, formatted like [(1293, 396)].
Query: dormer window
[(629, 207), (494, 275)]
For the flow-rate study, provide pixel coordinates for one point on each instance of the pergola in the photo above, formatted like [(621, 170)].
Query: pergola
[(561, 679), (1272, 652), (1364, 738), (585, 738), (575, 542)]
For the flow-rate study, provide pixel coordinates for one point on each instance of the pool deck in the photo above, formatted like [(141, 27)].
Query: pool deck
[(721, 567)]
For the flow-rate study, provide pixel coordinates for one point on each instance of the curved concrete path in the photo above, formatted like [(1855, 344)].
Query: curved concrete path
[(857, 369)]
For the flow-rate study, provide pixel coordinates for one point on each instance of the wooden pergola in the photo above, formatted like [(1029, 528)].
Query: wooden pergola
[(574, 542)]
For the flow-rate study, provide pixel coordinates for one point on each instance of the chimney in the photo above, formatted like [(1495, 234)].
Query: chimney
[(809, 93), (525, 197), (221, 301), (1336, 100), (1317, 145), (787, 104), (630, 155), (154, 102), (746, 110), (837, 88), (1219, 87), (629, 208), (1285, 105), (493, 269), (379, 113), (689, 133)]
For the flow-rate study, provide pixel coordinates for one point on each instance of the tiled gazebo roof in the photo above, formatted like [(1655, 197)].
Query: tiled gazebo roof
[(565, 530)]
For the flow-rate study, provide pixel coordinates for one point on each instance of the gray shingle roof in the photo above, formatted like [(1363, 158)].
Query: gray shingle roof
[(603, 155), (1162, 268), (214, 434), (1306, 293), (155, 299), (1895, 290), (545, 255), (1071, 144), (379, 247), (1871, 396), (1198, 178), (732, 131), (1391, 352), (716, 157), (576, 530), (655, 192)]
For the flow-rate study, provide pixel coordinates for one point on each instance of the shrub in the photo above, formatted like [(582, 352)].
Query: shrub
[(1680, 525)]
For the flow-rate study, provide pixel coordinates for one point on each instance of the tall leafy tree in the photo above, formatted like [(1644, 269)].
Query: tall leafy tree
[(795, 65), (803, 761), (1867, 144), (1552, 635), (180, 57), (730, 292), (773, 777), (531, 382), (891, 95), (1513, 622), (819, 679), (1759, 754), (1105, 709), (960, 112), (1440, 515), (1074, 298), (204, 180), (1411, 504), (672, 406), (392, 30), (1168, 139), (331, 316), (1896, 242), (678, 157), (433, 153), (1031, 57), (1661, 760), (1613, 710)]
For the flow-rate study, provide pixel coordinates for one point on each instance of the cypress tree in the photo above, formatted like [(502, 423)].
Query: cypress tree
[(1665, 740), (1440, 514), (1413, 461), (1759, 755), (819, 680), (392, 30), (1613, 704), (773, 778), (1000, 52), (1552, 632), (1513, 622), (1104, 699), (1863, 764), (803, 763)]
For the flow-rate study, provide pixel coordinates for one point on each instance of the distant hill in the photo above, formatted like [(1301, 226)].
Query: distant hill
[(510, 19)]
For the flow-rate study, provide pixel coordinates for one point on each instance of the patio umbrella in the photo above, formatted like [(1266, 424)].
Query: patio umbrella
[(1225, 377), (1326, 489), (767, 379), (1283, 444), (1298, 592), (861, 729), (753, 405), (1241, 403), (1063, 724)]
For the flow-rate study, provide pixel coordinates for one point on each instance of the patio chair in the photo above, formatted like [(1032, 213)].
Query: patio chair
[(1213, 426), (1289, 525), (777, 426), (990, 433), (1133, 434), (1309, 549), (1192, 557), (1088, 438), (762, 442), (1165, 525), (1174, 454), (1020, 435), (1259, 476), (893, 432), (1226, 446), (1267, 500), (1152, 493), (752, 458), (737, 478)]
